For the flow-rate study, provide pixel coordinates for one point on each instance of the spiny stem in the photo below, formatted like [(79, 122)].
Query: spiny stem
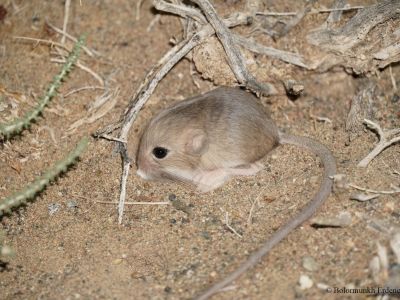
[(21, 197), (17, 125)]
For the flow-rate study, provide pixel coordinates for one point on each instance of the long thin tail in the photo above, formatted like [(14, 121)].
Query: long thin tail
[(325, 189)]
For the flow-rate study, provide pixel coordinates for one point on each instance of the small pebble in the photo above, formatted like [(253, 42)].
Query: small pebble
[(383, 256), (363, 197), (341, 181), (305, 282), (53, 208), (6, 251), (314, 179), (72, 204), (309, 263), (350, 285), (343, 219), (205, 235), (374, 266), (189, 273), (117, 261), (293, 88), (322, 286), (395, 98)]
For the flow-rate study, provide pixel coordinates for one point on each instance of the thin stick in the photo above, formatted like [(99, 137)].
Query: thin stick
[(88, 51), (290, 57), (153, 22), (82, 89), (268, 13), (66, 15), (388, 192), (138, 5), (275, 14), (49, 42), (137, 203), (296, 19), (227, 224), (180, 10), (83, 68), (235, 57), (114, 139), (384, 141), (78, 64), (97, 109), (122, 195), (392, 79), (253, 206)]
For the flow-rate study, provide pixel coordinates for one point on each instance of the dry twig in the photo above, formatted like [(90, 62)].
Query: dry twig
[(138, 5), (356, 30), (235, 57), (83, 88), (253, 206), (137, 203), (313, 11), (296, 20), (102, 105), (386, 192), (82, 67), (62, 59), (386, 139), (290, 57), (65, 23), (88, 51), (228, 225)]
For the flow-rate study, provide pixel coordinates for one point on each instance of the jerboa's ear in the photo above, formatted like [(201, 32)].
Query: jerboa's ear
[(196, 142)]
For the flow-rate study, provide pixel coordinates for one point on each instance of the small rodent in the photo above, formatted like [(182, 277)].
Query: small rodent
[(207, 139)]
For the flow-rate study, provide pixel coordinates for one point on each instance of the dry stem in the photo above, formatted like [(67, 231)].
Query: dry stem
[(387, 192), (386, 139), (319, 11), (65, 23), (235, 57)]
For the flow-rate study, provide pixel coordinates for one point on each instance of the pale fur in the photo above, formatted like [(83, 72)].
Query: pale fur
[(238, 132)]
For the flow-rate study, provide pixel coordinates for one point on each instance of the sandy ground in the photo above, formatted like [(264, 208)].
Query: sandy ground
[(69, 246)]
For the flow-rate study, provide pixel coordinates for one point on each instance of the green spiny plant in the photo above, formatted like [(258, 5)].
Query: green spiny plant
[(29, 192), (22, 196), (17, 125)]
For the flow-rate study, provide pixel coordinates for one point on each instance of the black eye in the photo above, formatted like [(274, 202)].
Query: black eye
[(160, 152)]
